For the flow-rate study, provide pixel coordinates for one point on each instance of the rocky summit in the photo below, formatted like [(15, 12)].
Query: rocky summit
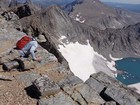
[(75, 58)]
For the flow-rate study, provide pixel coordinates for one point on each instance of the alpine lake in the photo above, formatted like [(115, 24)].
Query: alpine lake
[(129, 69)]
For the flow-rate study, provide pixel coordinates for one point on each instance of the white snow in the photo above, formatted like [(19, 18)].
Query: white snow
[(84, 61), (78, 15), (82, 21), (111, 64), (80, 59), (79, 18), (137, 86), (62, 37), (114, 59), (124, 77)]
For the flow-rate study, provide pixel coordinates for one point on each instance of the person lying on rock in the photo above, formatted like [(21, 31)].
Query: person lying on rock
[(28, 48), (31, 46)]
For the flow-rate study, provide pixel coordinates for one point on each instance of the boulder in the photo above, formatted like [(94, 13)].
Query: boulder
[(59, 99), (95, 84), (6, 78), (80, 92), (106, 80), (10, 15), (70, 81), (111, 89), (110, 103), (89, 95), (121, 96), (45, 86), (27, 78)]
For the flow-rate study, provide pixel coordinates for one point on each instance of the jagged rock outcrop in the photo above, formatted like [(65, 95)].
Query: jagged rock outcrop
[(97, 14), (111, 92), (4, 3), (118, 43), (109, 89), (21, 8), (45, 86)]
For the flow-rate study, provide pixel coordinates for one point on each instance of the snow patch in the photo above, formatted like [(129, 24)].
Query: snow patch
[(80, 58), (114, 59), (84, 61), (79, 18), (111, 64), (63, 37)]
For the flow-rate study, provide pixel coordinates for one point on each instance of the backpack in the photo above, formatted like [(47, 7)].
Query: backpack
[(22, 42)]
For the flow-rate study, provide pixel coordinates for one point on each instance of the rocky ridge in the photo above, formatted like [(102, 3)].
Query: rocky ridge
[(97, 14), (99, 89)]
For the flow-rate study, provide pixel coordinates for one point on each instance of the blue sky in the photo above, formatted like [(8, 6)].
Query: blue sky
[(124, 1)]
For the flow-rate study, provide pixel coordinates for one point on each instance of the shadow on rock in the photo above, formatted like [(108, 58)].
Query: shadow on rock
[(31, 91)]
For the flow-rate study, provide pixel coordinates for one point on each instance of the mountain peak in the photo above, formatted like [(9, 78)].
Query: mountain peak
[(97, 14)]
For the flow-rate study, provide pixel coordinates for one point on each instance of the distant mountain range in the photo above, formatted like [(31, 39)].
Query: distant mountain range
[(100, 15), (91, 12), (131, 7)]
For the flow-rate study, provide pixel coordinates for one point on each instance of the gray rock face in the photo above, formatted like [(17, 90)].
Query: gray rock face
[(22, 8), (110, 89), (4, 3), (99, 89), (70, 81), (10, 16), (74, 92), (59, 99), (95, 84), (118, 42), (106, 80), (45, 86), (121, 96), (28, 78), (89, 95), (110, 103)]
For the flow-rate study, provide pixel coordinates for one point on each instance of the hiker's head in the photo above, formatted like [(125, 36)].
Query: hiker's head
[(41, 38)]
